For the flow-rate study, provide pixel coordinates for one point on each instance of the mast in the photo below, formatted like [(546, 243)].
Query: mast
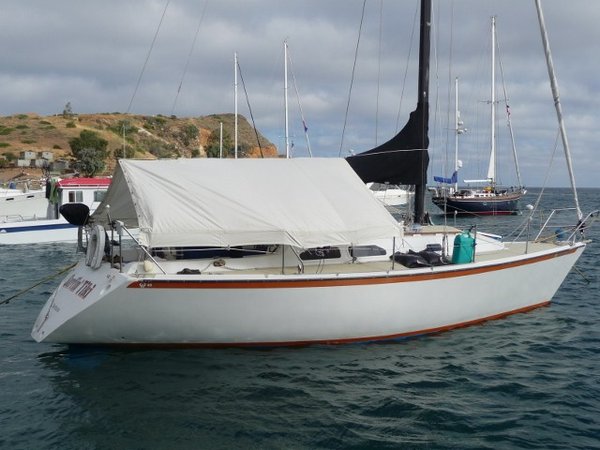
[(285, 99), (491, 174), (557, 105), (423, 103), (235, 105), (456, 131)]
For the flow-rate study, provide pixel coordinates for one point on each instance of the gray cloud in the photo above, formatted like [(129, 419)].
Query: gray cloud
[(91, 54)]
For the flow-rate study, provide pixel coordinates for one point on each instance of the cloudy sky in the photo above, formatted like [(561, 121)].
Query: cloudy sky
[(100, 57)]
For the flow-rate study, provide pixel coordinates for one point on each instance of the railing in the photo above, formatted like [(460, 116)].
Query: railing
[(567, 231), (119, 227), (11, 218)]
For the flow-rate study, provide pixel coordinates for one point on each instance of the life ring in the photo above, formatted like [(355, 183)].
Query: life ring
[(95, 250)]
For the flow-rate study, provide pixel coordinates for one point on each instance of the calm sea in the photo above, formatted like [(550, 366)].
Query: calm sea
[(528, 381)]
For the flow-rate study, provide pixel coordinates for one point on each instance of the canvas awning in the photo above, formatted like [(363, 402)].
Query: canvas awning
[(306, 202)]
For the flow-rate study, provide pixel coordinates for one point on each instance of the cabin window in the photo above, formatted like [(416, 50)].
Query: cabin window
[(212, 252), (99, 195), (358, 251), (320, 253), (76, 196)]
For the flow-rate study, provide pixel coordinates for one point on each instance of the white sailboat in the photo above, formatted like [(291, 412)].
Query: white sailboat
[(238, 263)]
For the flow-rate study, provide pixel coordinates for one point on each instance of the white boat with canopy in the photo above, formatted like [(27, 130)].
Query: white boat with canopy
[(289, 252)]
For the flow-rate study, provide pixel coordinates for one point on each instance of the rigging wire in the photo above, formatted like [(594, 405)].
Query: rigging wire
[(436, 130), (139, 80), (448, 102), (538, 200), (189, 57), (362, 17), (508, 118), (410, 46), (250, 109), (448, 99), (304, 126), (378, 70)]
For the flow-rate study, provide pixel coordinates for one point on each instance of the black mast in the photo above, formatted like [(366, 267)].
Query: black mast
[(404, 158), (423, 103)]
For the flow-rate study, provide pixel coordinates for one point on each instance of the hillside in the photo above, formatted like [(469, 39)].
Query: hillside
[(145, 137)]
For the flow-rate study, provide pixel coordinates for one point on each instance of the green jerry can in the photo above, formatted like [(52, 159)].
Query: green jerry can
[(464, 248)]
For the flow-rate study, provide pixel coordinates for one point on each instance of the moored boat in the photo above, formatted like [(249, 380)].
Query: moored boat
[(21, 201), (51, 226), (225, 257), (489, 201), (390, 194), (257, 273), (490, 198)]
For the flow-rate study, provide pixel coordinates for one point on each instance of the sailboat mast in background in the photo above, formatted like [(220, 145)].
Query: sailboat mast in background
[(285, 99)]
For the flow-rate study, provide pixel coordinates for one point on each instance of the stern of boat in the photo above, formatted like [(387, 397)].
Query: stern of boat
[(80, 289)]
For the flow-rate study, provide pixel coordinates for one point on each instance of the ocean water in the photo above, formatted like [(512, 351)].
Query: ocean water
[(527, 381)]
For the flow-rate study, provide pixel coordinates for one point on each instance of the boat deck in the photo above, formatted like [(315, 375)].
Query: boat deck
[(510, 250)]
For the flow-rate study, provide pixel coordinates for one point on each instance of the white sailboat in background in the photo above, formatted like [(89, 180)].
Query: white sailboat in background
[(249, 265)]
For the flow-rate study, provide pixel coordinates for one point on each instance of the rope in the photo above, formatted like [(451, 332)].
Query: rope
[(580, 272), (42, 281)]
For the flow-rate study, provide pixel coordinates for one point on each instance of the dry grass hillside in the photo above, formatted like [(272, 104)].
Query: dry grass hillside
[(145, 137)]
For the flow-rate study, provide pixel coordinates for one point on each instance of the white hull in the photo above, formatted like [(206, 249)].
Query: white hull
[(22, 226), (107, 307), (37, 232), (390, 196), (17, 205), (393, 197)]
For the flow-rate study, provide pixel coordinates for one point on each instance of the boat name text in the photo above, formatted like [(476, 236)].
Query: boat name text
[(80, 286)]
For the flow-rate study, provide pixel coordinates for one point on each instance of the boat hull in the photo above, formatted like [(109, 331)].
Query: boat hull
[(37, 232), (492, 206), (390, 195), (108, 307), (23, 206)]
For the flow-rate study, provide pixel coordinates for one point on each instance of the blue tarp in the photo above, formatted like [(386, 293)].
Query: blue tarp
[(452, 180)]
